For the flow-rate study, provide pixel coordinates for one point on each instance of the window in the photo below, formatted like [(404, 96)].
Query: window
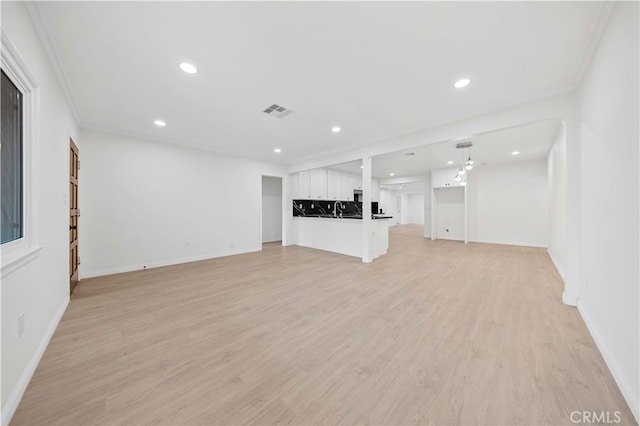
[(20, 98), (11, 149)]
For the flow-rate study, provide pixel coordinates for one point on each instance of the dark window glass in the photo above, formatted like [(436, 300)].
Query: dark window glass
[(11, 153)]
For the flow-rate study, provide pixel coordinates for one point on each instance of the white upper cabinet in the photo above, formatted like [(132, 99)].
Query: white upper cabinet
[(347, 187), (304, 185), (323, 184), (444, 178), (357, 181), (334, 185), (319, 184)]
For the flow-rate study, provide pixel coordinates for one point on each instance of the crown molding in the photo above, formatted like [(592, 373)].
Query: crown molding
[(39, 23), (599, 26)]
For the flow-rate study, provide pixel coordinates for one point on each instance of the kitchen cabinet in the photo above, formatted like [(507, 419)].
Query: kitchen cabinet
[(347, 187), (357, 181), (318, 184), (444, 178), (323, 184), (334, 185), (304, 184)]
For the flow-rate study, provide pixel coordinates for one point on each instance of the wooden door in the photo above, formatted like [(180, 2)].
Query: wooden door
[(74, 214)]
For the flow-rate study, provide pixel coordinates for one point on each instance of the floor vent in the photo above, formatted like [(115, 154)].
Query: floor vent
[(277, 111)]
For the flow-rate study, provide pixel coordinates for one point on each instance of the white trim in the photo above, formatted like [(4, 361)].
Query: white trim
[(509, 243), (557, 265), (633, 401), (11, 405), (283, 199), (41, 29), (599, 26), (141, 266), (15, 68), (569, 299), (17, 262)]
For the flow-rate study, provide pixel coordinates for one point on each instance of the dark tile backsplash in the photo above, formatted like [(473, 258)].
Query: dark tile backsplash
[(325, 208)]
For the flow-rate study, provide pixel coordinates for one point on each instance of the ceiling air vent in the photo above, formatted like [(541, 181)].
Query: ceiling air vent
[(277, 111)]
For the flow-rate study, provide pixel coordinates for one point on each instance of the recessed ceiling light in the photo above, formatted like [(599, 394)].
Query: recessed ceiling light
[(336, 129), (449, 162), (463, 82), (515, 153), (277, 150), (362, 167), (159, 123), (392, 174), (188, 68)]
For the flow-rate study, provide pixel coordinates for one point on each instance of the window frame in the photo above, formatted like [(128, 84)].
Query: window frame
[(18, 187), (21, 251)]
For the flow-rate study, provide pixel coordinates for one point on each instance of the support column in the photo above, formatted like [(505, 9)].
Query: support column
[(367, 223)]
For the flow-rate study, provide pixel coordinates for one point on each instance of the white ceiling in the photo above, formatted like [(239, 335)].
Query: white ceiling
[(533, 141), (377, 69)]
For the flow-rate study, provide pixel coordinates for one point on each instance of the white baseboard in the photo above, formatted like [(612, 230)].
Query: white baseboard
[(13, 401), (633, 400), (510, 243), (569, 299), (150, 265), (557, 265)]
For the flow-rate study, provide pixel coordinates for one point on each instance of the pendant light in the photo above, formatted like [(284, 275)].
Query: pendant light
[(461, 175), (469, 163)]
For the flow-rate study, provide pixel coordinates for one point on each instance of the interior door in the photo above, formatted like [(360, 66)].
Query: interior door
[(74, 214)]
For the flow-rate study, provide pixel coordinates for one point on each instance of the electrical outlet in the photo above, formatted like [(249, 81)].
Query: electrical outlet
[(20, 325)]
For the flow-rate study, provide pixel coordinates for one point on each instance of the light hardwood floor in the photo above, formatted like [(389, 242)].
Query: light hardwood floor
[(432, 333)]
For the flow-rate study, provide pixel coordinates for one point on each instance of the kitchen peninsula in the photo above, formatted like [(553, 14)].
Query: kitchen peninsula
[(337, 226)]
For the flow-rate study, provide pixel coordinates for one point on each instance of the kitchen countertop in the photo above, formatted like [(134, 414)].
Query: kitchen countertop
[(355, 216)]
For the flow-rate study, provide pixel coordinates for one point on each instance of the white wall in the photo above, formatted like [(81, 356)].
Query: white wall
[(416, 208), (404, 208), (507, 203), (608, 103), (271, 209), (557, 175), (449, 211), (39, 289), (388, 201), (150, 204), (426, 218)]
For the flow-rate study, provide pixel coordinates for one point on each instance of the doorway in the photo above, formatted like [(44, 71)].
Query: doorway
[(74, 214), (271, 209)]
